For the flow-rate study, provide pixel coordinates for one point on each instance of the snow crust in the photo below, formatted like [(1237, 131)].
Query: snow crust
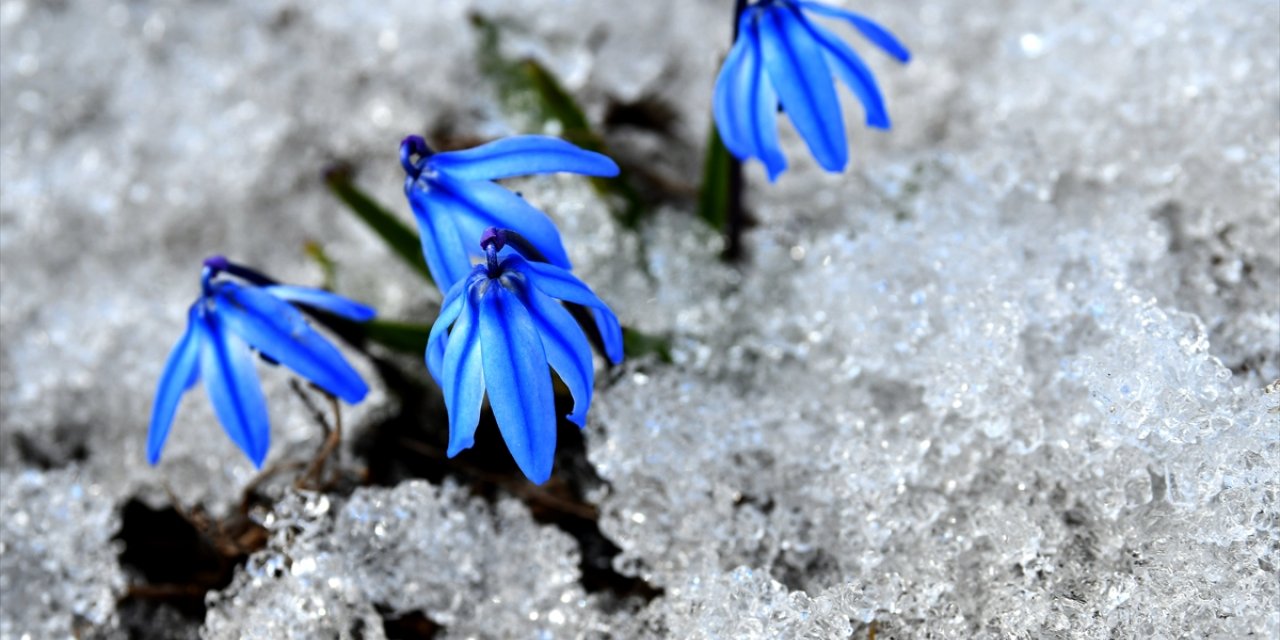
[(1006, 376)]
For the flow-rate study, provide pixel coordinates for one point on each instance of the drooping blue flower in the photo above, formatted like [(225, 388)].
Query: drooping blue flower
[(454, 198), (225, 326), (498, 330), (782, 58)]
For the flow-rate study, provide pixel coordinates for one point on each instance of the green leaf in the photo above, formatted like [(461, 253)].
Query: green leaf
[(713, 196), (526, 89), (405, 337), (560, 106), (411, 338), (636, 344), (399, 237)]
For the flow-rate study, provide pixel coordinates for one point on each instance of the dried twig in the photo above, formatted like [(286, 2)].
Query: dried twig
[(332, 438)]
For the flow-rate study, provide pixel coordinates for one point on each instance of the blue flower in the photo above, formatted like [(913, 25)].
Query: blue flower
[(782, 58), (498, 330), (225, 325), (455, 199)]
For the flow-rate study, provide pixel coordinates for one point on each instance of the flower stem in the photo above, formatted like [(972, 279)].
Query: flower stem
[(735, 217)]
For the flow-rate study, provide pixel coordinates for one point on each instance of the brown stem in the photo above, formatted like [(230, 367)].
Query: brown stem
[(310, 479)]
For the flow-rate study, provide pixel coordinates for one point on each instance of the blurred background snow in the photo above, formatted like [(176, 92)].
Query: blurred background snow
[(1006, 376)]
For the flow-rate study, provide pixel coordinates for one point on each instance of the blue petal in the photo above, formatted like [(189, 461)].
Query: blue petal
[(446, 256), (877, 34), (561, 284), (745, 105), (568, 351), (610, 331), (463, 375), (494, 206), (180, 372), (519, 384), (799, 73), (232, 383), (729, 107), (522, 155), (280, 332), (324, 301), (449, 310), (763, 107), (854, 73)]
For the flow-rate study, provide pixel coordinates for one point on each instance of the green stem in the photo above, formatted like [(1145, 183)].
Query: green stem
[(735, 218)]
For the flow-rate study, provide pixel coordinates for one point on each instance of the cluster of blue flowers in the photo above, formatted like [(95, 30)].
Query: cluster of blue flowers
[(520, 313), (501, 325)]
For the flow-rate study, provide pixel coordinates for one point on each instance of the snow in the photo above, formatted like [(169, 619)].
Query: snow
[(1006, 376)]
